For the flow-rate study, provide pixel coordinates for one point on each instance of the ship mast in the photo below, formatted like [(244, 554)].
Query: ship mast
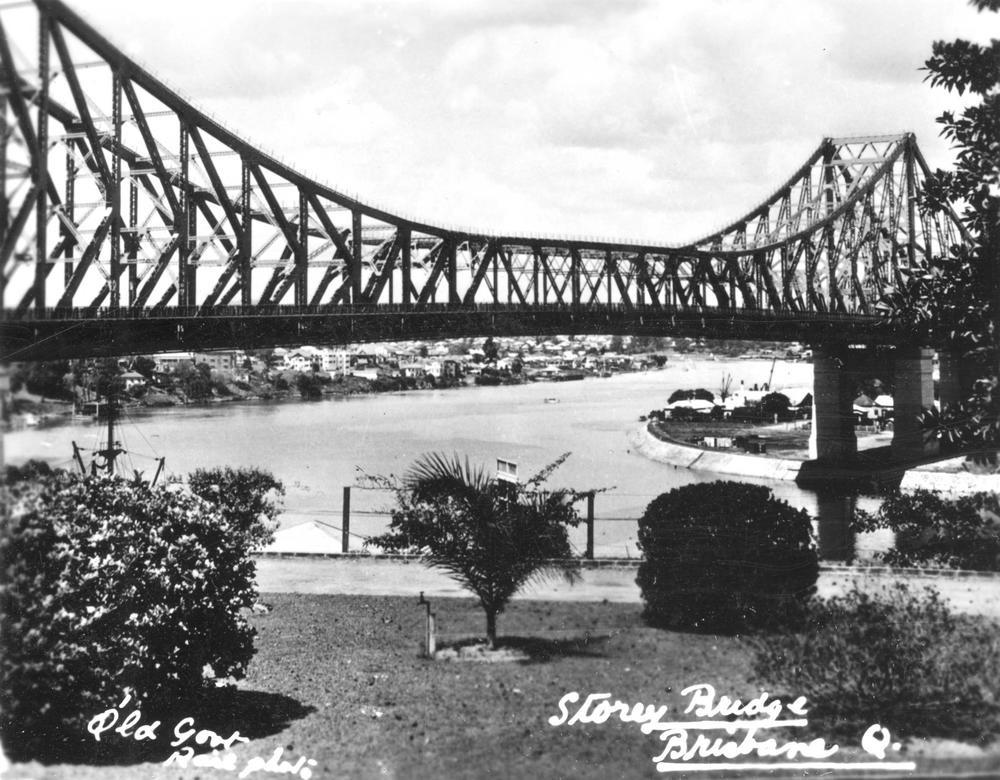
[(112, 451)]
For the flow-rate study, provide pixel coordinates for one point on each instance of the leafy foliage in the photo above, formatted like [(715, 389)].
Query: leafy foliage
[(310, 386), (249, 498), (144, 365), (932, 529), (108, 585), (900, 659), (957, 299), (725, 556), (491, 351), (47, 379), (700, 394), (492, 536), (775, 404)]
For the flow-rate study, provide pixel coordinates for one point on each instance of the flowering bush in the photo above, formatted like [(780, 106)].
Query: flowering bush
[(250, 498), (107, 585)]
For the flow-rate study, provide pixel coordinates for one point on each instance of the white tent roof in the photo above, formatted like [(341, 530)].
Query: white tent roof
[(693, 403), (306, 537)]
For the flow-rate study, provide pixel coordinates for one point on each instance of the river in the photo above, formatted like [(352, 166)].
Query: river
[(317, 448)]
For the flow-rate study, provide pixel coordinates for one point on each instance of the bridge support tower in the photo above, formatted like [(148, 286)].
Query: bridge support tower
[(914, 392), (836, 375)]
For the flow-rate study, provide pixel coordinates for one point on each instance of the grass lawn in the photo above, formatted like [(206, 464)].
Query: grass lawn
[(777, 438), (337, 679)]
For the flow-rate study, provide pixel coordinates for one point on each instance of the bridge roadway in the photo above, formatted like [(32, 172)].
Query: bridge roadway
[(72, 333)]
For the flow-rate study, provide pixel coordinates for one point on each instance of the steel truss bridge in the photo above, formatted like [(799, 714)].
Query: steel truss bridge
[(131, 221)]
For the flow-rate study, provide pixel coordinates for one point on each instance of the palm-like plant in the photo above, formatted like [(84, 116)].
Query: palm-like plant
[(490, 535)]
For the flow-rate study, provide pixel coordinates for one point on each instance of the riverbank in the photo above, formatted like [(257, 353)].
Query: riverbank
[(29, 411), (791, 463)]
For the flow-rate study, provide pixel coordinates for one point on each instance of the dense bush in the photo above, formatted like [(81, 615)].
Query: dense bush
[(309, 386), (901, 660), (47, 379), (774, 404), (107, 585), (700, 394), (725, 556), (931, 529), (249, 498)]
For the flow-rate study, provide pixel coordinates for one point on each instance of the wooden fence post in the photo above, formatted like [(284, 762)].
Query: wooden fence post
[(345, 525), (590, 525)]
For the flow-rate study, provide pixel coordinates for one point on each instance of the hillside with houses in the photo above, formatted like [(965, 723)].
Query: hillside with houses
[(45, 391)]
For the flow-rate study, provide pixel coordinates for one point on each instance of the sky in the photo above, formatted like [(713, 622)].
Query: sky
[(636, 119)]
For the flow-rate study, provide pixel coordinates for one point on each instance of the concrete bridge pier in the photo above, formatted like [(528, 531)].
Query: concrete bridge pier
[(834, 378), (836, 372), (914, 392), (949, 386)]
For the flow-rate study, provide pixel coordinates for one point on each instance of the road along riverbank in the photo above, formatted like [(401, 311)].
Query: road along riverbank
[(976, 593)]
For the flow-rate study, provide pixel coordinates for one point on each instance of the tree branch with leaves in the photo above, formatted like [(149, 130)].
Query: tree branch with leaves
[(956, 300)]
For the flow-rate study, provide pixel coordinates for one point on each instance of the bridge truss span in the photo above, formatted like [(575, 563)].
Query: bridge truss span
[(123, 202)]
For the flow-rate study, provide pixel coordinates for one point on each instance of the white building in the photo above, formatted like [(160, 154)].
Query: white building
[(224, 360), (332, 361), (167, 362)]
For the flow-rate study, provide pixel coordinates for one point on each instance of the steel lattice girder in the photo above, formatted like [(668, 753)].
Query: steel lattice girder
[(210, 217)]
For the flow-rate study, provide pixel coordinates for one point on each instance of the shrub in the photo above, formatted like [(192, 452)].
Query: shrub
[(108, 585), (931, 529), (901, 660), (725, 556), (249, 498)]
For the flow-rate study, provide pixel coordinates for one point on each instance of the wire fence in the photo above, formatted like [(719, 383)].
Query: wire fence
[(598, 535)]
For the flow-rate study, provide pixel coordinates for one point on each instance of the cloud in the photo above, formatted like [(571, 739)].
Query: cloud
[(645, 118)]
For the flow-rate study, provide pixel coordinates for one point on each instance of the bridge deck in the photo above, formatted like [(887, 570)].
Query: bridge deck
[(77, 333)]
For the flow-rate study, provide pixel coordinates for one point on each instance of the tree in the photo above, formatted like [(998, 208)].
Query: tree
[(700, 394), (309, 386), (46, 379), (957, 298), (930, 529), (109, 383), (144, 365), (194, 381), (490, 535), (725, 386), (490, 350), (774, 404)]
